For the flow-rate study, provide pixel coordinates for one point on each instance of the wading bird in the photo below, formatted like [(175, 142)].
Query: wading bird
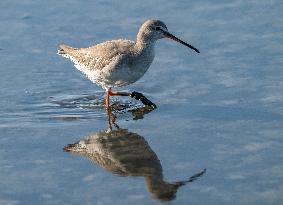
[(119, 63)]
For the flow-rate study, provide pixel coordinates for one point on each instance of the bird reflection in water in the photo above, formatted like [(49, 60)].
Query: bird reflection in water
[(125, 153)]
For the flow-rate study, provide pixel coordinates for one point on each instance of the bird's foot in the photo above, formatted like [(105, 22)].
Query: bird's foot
[(143, 99)]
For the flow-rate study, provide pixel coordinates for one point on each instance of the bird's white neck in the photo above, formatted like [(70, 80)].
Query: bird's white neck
[(143, 47), (144, 40)]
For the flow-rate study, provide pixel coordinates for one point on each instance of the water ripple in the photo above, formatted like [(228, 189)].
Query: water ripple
[(86, 106)]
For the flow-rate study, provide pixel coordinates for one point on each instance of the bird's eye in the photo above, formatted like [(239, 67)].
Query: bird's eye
[(158, 28)]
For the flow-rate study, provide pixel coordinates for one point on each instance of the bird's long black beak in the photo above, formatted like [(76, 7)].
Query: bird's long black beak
[(169, 35)]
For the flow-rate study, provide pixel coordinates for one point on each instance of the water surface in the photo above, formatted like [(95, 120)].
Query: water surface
[(220, 110)]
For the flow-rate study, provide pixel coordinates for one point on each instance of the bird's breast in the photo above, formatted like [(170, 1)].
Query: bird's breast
[(127, 69), (140, 63)]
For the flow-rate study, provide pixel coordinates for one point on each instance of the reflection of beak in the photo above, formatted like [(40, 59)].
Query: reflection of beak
[(169, 35), (191, 179)]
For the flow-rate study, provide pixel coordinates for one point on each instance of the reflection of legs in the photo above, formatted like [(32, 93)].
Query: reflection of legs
[(111, 119), (135, 95)]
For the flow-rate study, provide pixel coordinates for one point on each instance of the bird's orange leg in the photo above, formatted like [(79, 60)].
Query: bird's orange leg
[(108, 109), (111, 93), (107, 100)]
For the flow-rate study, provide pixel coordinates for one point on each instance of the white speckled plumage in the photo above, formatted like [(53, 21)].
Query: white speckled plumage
[(119, 62)]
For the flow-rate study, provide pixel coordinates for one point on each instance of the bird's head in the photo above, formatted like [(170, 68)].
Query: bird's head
[(152, 30)]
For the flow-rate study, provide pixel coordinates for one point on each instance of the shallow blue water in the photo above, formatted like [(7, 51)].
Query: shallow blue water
[(221, 109)]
